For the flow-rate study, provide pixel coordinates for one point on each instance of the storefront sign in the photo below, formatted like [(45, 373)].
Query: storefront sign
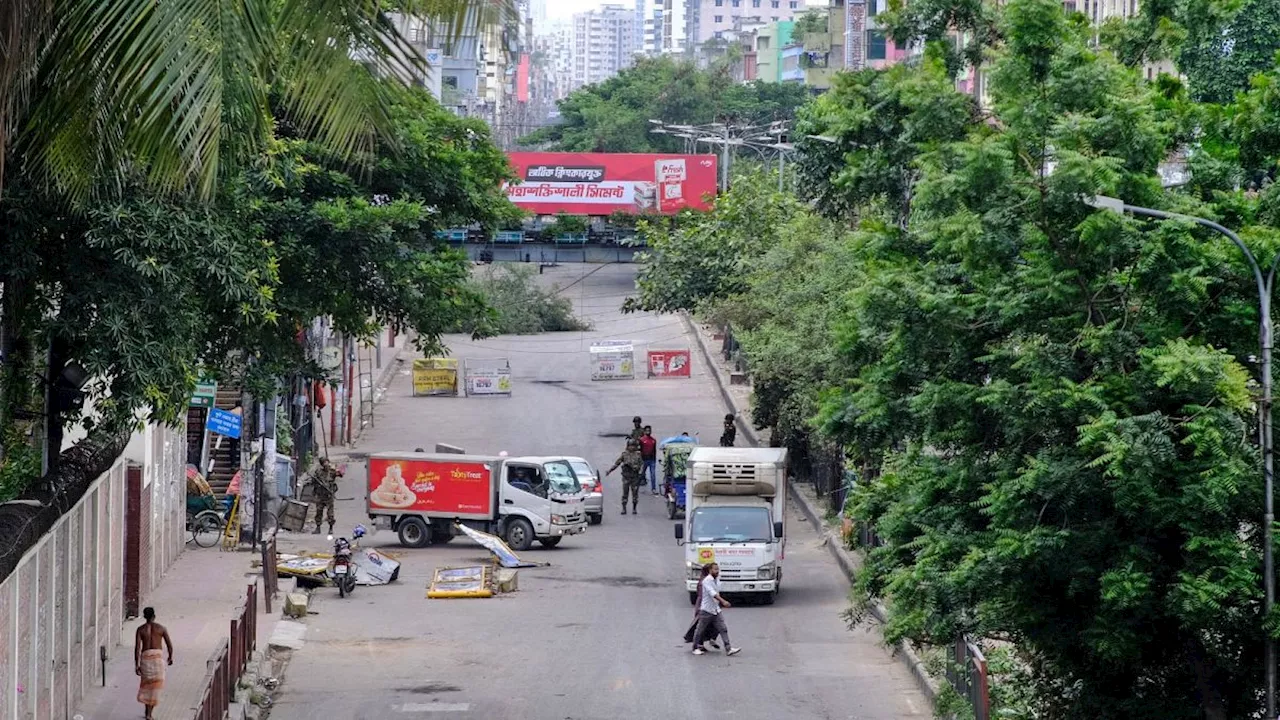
[(435, 376)]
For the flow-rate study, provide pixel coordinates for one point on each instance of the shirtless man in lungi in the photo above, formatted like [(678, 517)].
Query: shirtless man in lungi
[(148, 658)]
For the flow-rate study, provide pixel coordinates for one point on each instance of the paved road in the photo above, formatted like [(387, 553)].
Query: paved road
[(597, 634)]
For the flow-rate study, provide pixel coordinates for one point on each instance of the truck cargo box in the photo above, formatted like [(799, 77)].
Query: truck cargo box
[(442, 485)]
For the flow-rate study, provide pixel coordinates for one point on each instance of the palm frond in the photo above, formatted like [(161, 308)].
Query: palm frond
[(172, 85)]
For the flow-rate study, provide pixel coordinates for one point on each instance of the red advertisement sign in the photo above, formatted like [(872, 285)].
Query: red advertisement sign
[(429, 486), (605, 183), (669, 363)]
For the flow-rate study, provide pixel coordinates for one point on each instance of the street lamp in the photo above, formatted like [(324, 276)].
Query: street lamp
[(1264, 285)]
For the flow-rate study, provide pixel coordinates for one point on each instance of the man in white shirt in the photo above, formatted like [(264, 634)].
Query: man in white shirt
[(710, 619)]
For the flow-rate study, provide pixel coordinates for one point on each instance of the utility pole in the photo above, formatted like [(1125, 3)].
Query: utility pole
[(724, 187)]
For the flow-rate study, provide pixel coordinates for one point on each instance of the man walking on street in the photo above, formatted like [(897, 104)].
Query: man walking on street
[(148, 659), (730, 432), (636, 429), (325, 487), (710, 617), (649, 454), (632, 474)]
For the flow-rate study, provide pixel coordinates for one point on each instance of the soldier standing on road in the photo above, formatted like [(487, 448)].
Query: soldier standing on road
[(636, 430), (325, 486), (632, 473), (730, 432)]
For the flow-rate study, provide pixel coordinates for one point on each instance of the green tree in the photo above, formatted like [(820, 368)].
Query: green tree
[(1063, 453), (811, 21), (613, 116), (520, 305)]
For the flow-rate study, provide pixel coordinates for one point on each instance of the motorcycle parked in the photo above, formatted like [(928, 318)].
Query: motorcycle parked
[(341, 570)]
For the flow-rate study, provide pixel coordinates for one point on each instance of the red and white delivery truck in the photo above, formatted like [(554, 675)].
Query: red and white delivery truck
[(521, 499)]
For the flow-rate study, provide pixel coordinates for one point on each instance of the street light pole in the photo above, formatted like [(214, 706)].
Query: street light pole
[(1264, 286)]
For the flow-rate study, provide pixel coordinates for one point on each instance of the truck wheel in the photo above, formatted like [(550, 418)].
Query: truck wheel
[(769, 597), (441, 534), (693, 597), (550, 542), (414, 533), (596, 519), (519, 534)]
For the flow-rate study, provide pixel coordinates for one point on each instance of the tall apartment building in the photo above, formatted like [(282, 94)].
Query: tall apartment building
[(653, 32), (604, 42), (675, 25), (723, 19)]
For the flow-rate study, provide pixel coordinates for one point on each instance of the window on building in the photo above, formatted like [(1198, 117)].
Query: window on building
[(873, 8), (876, 49), (762, 43), (755, 3), (795, 4), (719, 3), (737, 3), (774, 4), (719, 18)]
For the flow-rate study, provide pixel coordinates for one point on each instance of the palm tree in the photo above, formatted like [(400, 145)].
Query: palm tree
[(183, 90), (174, 85)]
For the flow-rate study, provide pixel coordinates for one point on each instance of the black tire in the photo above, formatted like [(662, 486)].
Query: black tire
[(206, 528), (596, 519), (671, 510), (395, 574), (342, 587), (693, 597), (351, 583), (413, 533), (441, 534), (519, 534), (550, 542), (769, 598)]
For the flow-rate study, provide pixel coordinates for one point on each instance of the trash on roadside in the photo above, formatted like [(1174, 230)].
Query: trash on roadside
[(475, 581), (501, 552), (373, 567)]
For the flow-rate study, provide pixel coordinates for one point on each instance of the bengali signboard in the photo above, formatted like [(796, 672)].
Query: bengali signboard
[(435, 376), (669, 363), (605, 183), (613, 360), (487, 376)]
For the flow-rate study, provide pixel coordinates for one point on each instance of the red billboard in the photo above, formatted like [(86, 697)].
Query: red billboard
[(461, 488), (669, 363), (605, 183), (522, 79)]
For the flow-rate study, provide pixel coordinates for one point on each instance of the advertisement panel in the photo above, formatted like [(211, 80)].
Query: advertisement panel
[(489, 381), (461, 488), (435, 376), (612, 360), (605, 183), (669, 363)]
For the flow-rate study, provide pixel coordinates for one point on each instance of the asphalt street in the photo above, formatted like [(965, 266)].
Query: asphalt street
[(597, 635)]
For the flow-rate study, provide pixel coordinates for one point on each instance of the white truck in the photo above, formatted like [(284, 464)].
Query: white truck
[(521, 499), (735, 505)]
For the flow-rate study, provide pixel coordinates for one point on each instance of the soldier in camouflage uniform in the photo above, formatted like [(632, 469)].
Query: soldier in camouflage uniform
[(632, 474), (637, 430), (325, 486)]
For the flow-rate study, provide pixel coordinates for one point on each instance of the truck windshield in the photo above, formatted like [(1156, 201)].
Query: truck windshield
[(730, 524), (562, 478)]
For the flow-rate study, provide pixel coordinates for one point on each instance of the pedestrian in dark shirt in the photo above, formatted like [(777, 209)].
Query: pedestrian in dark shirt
[(730, 432)]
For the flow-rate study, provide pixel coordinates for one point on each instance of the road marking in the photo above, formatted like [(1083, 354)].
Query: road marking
[(434, 707)]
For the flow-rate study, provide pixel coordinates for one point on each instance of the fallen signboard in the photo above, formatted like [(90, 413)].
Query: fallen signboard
[(505, 556), (461, 582)]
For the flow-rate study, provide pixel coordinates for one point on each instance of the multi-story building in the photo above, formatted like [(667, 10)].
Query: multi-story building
[(604, 42), (769, 42), (654, 26), (719, 18), (452, 71)]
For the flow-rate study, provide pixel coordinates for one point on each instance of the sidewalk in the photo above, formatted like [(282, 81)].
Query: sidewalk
[(195, 601)]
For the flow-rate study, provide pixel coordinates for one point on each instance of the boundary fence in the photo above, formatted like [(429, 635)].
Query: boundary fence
[(228, 662)]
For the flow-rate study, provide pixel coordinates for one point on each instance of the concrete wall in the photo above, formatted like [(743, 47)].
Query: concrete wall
[(65, 598)]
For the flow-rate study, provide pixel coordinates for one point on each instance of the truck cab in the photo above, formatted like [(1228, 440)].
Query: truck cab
[(736, 501), (545, 492)]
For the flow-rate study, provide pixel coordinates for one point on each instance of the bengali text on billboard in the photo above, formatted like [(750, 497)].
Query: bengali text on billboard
[(605, 183)]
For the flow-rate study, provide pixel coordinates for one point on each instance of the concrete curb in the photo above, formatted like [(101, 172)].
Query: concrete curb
[(842, 557)]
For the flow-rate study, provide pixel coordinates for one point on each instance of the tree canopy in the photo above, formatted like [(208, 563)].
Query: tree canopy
[(1051, 409), (613, 116)]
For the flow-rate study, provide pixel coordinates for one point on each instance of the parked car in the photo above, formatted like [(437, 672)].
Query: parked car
[(589, 477)]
